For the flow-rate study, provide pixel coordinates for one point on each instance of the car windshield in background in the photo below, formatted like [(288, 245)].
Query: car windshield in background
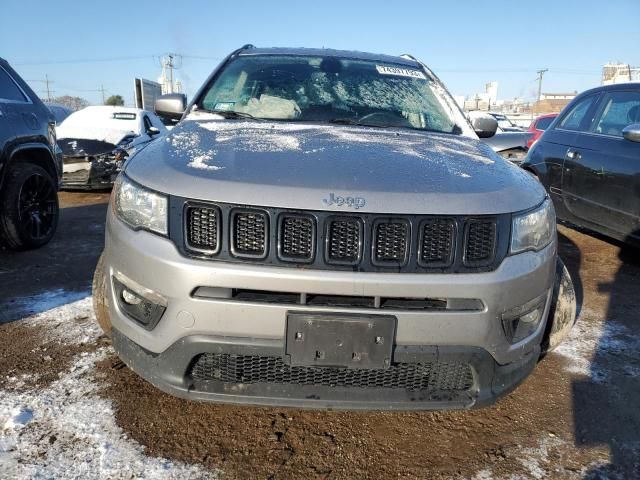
[(329, 90)]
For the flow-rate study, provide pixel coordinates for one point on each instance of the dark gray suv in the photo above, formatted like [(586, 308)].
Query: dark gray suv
[(30, 165)]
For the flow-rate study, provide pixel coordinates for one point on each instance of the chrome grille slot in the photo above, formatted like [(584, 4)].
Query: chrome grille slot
[(344, 241), (480, 243), (203, 228), (296, 238), (437, 242), (390, 242), (250, 233)]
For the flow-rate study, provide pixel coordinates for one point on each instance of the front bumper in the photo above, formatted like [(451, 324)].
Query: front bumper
[(170, 372), (89, 173), (192, 325)]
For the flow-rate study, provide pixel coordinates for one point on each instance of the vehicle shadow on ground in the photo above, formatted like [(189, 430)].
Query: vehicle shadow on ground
[(60, 272), (605, 405)]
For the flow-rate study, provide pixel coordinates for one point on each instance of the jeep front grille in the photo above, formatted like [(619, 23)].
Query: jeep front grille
[(350, 241), (246, 369)]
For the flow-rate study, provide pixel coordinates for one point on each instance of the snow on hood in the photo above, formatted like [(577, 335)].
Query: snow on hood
[(296, 165), (98, 123)]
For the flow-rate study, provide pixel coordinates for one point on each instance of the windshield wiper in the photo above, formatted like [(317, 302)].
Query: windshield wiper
[(355, 121), (232, 114)]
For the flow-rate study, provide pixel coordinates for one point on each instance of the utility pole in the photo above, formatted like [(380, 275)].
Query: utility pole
[(103, 97), (169, 62), (170, 65), (540, 74), (46, 81)]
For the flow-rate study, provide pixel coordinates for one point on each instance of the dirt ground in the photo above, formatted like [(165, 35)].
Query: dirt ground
[(577, 416)]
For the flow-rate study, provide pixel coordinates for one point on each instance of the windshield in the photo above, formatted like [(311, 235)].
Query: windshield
[(329, 90)]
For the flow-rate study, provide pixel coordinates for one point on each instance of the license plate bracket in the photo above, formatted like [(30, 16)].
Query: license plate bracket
[(340, 340)]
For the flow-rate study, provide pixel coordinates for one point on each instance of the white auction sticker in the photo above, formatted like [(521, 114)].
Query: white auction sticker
[(400, 72)]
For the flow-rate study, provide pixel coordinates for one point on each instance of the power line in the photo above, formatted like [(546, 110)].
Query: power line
[(85, 60)]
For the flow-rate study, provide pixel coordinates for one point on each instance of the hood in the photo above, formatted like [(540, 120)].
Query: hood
[(80, 147), (296, 165)]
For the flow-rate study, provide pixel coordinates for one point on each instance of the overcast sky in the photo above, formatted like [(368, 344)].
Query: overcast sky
[(82, 45)]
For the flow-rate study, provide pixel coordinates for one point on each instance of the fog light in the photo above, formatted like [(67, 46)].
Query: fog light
[(141, 308), (130, 297), (523, 321)]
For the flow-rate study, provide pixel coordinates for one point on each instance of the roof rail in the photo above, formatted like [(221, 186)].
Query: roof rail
[(408, 57)]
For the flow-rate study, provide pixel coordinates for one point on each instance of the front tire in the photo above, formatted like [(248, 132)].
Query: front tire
[(100, 301), (29, 207), (562, 311)]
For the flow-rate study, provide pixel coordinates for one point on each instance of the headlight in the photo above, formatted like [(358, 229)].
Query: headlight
[(533, 230), (140, 207)]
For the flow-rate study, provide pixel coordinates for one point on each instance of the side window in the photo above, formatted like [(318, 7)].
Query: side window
[(544, 123), (574, 119), (619, 109), (8, 88)]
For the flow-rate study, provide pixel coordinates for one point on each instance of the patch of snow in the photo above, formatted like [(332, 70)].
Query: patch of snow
[(540, 461), (188, 146), (67, 430), (593, 339), (18, 418), (483, 475), (73, 323), (200, 162), (255, 136)]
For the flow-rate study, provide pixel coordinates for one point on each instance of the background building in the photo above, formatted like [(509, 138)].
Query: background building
[(619, 73), (552, 102)]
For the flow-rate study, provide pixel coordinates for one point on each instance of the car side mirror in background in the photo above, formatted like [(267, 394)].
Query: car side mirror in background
[(484, 125), (171, 105), (632, 132), (151, 131)]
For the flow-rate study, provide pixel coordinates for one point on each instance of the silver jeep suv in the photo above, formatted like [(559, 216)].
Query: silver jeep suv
[(324, 229)]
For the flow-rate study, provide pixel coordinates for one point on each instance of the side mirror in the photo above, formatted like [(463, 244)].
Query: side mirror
[(151, 131), (171, 105), (484, 125), (632, 132)]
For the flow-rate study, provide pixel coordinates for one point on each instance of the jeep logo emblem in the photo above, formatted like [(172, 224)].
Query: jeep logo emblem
[(350, 202)]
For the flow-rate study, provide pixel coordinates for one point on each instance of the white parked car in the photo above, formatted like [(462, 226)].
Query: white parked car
[(95, 141)]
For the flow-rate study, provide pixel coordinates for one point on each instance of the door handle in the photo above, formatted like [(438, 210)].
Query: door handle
[(573, 155)]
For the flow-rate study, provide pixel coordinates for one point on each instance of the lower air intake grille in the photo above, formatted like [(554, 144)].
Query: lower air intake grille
[(480, 243), (202, 228), (250, 234), (258, 369), (345, 238), (297, 238), (391, 242), (437, 243)]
